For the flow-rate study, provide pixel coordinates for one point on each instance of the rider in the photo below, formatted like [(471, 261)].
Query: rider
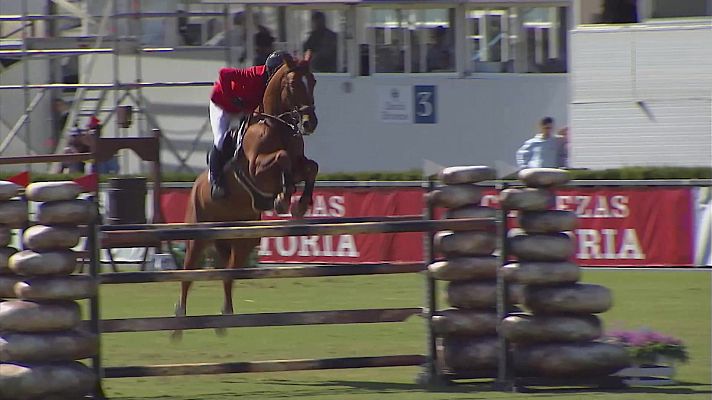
[(236, 94)]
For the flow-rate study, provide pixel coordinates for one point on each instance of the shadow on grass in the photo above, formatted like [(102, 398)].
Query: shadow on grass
[(472, 388), (487, 386), (338, 388), (680, 388)]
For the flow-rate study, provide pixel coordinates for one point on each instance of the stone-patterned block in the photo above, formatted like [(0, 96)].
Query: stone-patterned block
[(550, 221), (73, 287), (13, 213), (9, 190), (560, 360), (542, 272), (42, 237), (470, 354), (542, 247), (467, 174), (5, 236), (32, 263), (7, 285), (47, 346), (465, 268), (459, 322), (471, 212), (465, 243), (52, 191), (544, 177), (68, 380), (529, 199), (579, 298), (29, 316), (455, 196), (525, 328), (474, 295), (5, 254), (515, 292), (78, 212)]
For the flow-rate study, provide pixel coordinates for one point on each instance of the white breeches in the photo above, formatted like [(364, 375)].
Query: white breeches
[(220, 122)]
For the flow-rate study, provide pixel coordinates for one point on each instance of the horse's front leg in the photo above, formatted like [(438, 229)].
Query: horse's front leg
[(277, 166), (310, 169)]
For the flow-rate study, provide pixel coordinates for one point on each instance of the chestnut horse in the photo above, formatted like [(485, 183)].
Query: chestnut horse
[(262, 175)]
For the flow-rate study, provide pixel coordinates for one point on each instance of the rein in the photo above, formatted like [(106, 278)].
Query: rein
[(295, 116)]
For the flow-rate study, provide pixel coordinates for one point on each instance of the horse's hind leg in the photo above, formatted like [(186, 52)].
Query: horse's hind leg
[(223, 252), (193, 253), (239, 252)]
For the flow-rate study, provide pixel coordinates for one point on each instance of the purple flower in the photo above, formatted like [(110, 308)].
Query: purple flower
[(646, 344)]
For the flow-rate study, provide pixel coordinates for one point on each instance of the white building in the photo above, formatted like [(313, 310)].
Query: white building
[(625, 90)]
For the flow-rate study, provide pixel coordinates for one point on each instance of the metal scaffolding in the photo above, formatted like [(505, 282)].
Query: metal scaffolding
[(104, 40)]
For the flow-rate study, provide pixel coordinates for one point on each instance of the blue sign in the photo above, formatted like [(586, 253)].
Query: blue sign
[(425, 104)]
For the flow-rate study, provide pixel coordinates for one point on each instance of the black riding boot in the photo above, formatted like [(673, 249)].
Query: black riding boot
[(218, 190)]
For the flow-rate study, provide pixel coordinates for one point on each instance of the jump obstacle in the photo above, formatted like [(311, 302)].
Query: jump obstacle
[(468, 341)]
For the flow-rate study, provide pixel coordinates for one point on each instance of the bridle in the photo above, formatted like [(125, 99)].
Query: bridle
[(293, 119)]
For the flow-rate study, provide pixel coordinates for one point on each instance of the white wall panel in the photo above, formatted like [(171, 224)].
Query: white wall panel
[(669, 132), (665, 118), (673, 62), (601, 65)]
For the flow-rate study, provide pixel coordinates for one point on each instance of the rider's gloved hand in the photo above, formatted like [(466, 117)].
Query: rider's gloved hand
[(238, 101)]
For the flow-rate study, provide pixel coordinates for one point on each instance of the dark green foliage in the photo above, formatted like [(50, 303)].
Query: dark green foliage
[(628, 173)]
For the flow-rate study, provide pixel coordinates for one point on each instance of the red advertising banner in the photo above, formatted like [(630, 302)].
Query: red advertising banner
[(650, 226), (617, 226), (330, 203)]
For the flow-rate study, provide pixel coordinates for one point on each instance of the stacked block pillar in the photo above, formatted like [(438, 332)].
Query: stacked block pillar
[(467, 332), (556, 338), (40, 339)]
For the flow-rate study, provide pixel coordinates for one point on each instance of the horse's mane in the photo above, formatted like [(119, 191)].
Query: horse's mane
[(271, 99)]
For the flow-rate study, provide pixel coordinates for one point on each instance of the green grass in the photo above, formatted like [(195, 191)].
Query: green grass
[(677, 303)]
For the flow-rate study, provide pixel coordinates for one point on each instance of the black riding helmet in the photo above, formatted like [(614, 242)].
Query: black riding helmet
[(274, 61)]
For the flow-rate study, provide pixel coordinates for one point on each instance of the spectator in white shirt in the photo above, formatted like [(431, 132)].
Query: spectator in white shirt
[(544, 150)]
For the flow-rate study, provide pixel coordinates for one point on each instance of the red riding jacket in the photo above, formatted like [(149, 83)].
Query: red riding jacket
[(247, 84)]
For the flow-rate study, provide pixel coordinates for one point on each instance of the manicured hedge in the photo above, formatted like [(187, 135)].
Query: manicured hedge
[(628, 173)]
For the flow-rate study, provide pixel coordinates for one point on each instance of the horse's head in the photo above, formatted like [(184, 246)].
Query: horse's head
[(290, 94)]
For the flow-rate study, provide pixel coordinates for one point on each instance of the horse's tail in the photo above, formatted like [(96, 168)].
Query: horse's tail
[(191, 211)]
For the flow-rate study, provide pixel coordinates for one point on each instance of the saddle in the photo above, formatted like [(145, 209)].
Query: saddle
[(236, 136), (261, 201)]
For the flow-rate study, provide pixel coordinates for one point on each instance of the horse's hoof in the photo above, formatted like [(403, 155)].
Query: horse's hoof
[(222, 332), (176, 336), (261, 203), (281, 204), (298, 210), (280, 207), (179, 311)]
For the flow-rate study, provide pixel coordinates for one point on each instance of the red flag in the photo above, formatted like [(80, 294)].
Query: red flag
[(88, 182), (23, 179)]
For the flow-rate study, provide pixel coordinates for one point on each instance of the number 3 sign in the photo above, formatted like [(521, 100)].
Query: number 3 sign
[(425, 104)]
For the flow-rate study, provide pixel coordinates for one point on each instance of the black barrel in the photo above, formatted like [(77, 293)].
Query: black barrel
[(127, 201)]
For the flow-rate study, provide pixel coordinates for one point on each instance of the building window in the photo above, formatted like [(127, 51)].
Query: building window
[(516, 39), (322, 32), (412, 40)]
